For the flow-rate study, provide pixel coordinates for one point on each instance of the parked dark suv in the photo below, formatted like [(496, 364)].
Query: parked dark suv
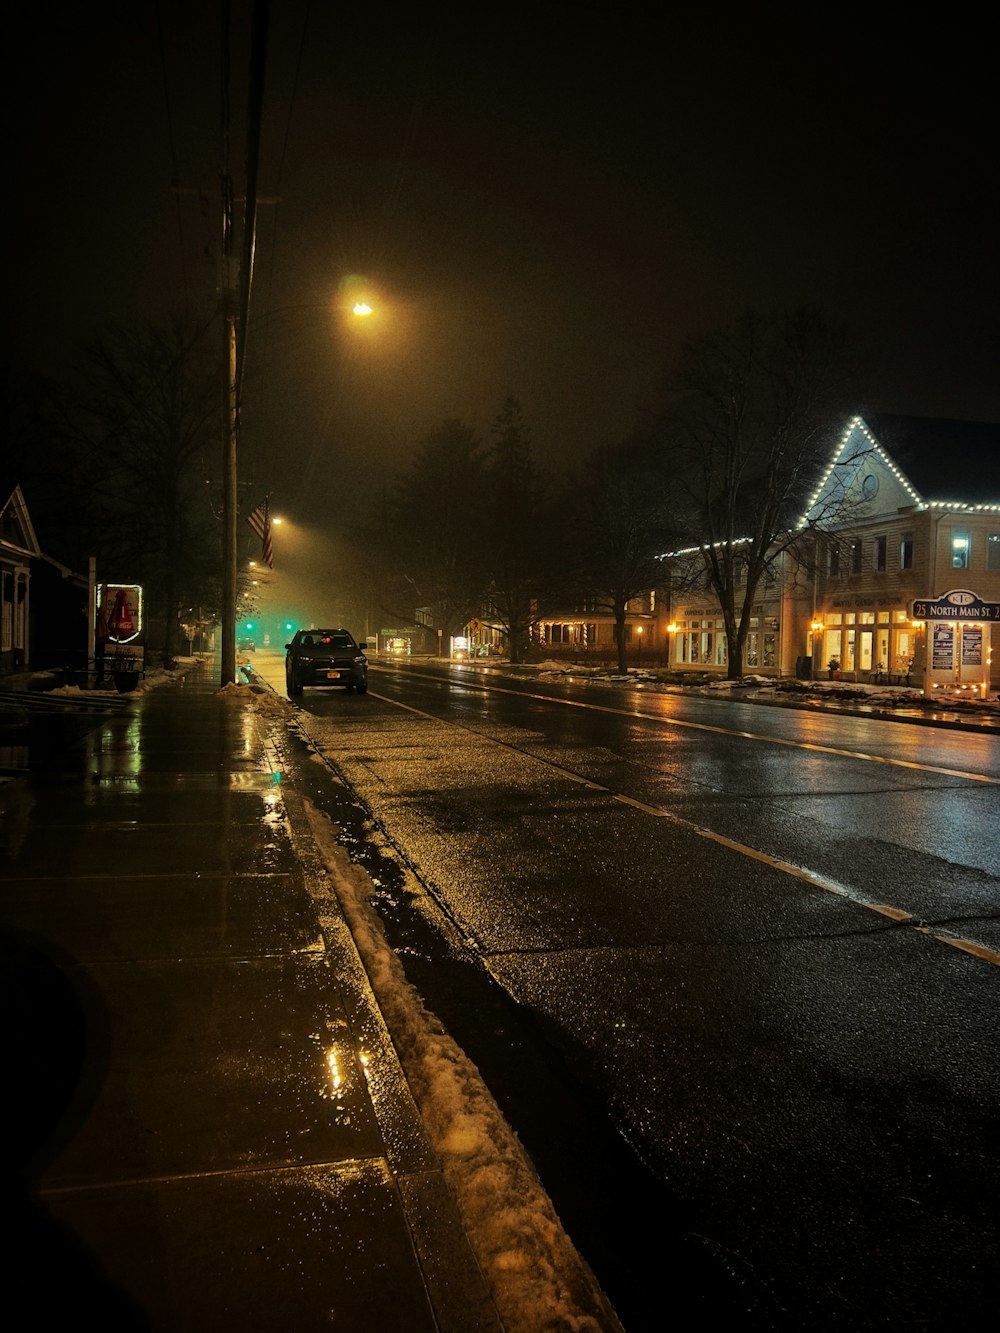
[(325, 657)]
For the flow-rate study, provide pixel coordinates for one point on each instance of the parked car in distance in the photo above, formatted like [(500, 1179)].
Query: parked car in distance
[(326, 657)]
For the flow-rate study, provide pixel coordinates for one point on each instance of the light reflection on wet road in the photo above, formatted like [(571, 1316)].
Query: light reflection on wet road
[(819, 1082)]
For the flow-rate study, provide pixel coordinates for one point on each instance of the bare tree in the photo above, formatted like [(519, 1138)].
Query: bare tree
[(148, 426), (622, 522), (749, 421)]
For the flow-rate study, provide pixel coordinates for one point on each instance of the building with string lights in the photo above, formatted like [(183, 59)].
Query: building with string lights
[(897, 579)]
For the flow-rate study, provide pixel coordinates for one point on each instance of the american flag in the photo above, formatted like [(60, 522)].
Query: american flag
[(260, 521)]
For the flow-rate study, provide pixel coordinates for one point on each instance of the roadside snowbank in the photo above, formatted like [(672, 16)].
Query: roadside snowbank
[(537, 1278), (763, 689)]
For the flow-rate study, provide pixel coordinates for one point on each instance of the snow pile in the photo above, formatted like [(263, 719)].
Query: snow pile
[(537, 1279), (234, 693), (69, 691), (764, 689), (261, 697)]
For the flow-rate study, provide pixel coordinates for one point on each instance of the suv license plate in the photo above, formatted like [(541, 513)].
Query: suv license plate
[(333, 675)]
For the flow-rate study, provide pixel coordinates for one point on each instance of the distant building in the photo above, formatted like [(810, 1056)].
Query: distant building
[(903, 584), (586, 633), (908, 586)]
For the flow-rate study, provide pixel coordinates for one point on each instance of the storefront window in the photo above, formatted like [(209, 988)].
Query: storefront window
[(961, 546), (701, 641), (865, 652), (882, 649)]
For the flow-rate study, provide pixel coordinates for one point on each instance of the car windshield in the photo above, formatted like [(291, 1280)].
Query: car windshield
[(327, 638)]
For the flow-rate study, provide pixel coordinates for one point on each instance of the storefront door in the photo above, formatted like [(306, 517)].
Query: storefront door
[(866, 650)]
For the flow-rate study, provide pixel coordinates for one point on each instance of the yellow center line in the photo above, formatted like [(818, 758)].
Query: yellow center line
[(896, 914)]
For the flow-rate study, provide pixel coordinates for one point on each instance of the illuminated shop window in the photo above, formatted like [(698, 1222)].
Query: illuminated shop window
[(961, 546)]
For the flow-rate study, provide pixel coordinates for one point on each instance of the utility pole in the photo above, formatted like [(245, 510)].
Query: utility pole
[(236, 306), (229, 416)]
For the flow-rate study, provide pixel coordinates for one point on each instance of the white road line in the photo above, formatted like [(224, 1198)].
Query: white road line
[(810, 877)]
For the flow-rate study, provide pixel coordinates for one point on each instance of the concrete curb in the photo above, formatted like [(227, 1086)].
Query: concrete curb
[(456, 1287)]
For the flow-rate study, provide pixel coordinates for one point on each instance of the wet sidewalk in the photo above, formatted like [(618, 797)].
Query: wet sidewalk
[(210, 1127)]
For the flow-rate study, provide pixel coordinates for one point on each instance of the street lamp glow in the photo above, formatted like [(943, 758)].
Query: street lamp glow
[(362, 308)]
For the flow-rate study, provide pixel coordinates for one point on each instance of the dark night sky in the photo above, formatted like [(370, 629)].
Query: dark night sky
[(549, 199)]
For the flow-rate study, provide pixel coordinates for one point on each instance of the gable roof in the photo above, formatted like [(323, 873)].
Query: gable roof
[(17, 534), (938, 462)]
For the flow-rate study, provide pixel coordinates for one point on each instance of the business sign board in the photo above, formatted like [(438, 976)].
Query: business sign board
[(943, 648), (119, 612), (959, 604), (972, 646)]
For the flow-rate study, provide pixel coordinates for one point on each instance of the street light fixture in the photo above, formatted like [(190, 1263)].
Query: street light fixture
[(237, 329)]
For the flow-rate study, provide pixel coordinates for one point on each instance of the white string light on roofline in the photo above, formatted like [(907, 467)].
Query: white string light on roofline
[(856, 423)]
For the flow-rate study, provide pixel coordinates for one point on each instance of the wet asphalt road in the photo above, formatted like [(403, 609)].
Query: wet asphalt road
[(765, 942)]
